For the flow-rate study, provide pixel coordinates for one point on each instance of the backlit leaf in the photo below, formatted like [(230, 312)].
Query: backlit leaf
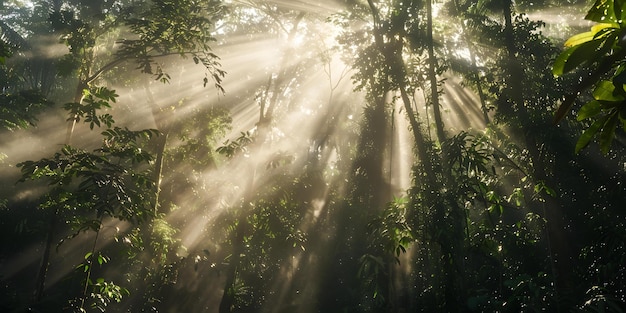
[(602, 11), (589, 133), (586, 52), (591, 108), (605, 91), (608, 133), (579, 39)]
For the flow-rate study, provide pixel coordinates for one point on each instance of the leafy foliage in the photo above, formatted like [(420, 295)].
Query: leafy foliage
[(100, 180), (93, 100), (19, 107), (600, 50), (173, 26)]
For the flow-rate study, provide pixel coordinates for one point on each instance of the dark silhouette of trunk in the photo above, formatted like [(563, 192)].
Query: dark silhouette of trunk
[(448, 215), (228, 297), (426, 177), (432, 75), (479, 85), (40, 281), (45, 258), (558, 248), (515, 72)]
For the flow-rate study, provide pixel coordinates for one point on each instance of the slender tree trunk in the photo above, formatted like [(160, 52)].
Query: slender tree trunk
[(447, 212), (90, 270), (228, 297), (161, 142), (42, 273), (479, 87), (559, 249), (78, 98), (45, 259), (162, 125), (432, 75)]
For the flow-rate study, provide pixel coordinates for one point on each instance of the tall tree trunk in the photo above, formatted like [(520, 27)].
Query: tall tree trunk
[(432, 75), (162, 125), (40, 280), (559, 250), (479, 85), (228, 297), (446, 211), (42, 273)]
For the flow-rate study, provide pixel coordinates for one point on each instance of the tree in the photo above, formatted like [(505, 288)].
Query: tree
[(155, 30), (160, 29), (20, 107)]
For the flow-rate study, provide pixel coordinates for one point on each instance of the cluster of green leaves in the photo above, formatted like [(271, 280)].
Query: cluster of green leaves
[(198, 133), (85, 187), (105, 180), (389, 236), (93, 100), (497, 232), (239, 145), (19, 107), (151, 262), (80, 37), (115, 180), (173, 27), (101, 292), (271, 237), (601, 52)]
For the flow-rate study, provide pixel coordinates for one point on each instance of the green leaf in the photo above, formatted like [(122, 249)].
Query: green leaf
[(591, 108), (579, 39), (559, 63), (620, 77), (88, 255), (496, 208), (517, 196), (618, 8), (602, 11), (588, 134), (606, 91), (608, 132), (575, 56), (542, 187)]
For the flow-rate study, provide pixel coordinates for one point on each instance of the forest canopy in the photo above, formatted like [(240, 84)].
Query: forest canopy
[(312, 156)]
